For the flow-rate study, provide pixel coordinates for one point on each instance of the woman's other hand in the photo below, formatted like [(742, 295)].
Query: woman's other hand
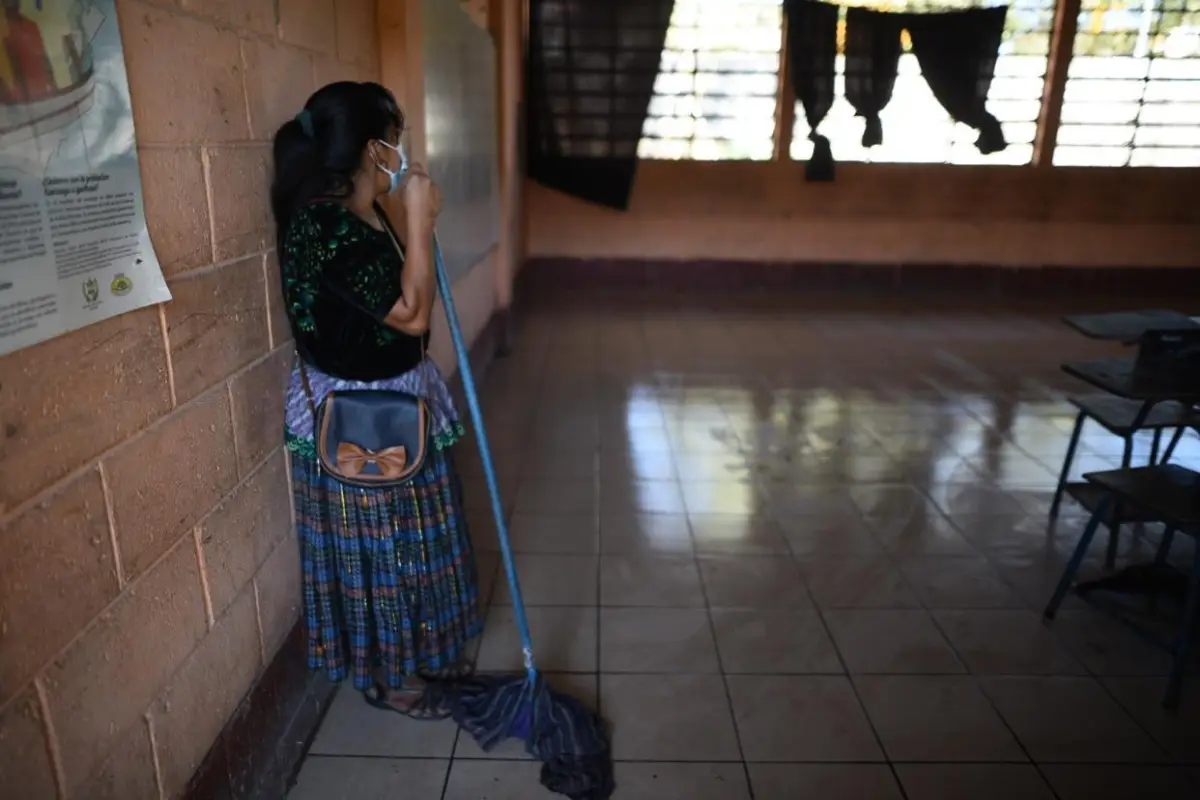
[(422, 197), (422, 202)]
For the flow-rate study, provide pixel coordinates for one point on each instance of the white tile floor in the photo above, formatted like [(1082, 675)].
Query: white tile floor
[(795, 554)]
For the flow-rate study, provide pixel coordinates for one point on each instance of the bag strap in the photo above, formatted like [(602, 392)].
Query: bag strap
[(382, 216), (308, 393)]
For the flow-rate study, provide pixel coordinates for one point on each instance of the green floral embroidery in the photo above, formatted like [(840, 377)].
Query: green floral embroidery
[(300, 446), (448, 438), (326, 236)]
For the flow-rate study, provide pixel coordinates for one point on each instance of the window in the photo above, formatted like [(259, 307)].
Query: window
[(1132, 95), (916, 129), (715, 97), (1133, 87)]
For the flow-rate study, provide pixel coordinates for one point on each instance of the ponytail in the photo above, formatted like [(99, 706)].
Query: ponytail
[(297, 174)]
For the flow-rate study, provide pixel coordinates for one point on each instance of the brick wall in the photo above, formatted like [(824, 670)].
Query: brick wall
[(148, 571)]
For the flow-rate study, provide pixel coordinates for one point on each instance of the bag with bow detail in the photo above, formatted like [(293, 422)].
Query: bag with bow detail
[(370, 438)]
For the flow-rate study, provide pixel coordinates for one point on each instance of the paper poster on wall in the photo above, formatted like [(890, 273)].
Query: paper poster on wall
[(74, 248)]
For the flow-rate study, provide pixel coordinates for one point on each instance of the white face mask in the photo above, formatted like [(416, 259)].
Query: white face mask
[(394, 176)]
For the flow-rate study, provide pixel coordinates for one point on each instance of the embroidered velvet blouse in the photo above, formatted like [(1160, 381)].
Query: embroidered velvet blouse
[(341, 277)]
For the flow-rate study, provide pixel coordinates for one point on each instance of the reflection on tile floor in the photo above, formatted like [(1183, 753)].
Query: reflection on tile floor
[(796, 554)]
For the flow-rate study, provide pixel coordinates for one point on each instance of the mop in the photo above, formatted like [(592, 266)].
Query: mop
[(568, 738)]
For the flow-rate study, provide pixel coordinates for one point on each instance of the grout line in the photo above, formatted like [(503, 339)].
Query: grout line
[(337, 55), (262, 641), (1046, 780), (266, 273), (112, 527), (450, 764), (712, 632), (209, 617), (597, 489), (206, 172), (233, 429), (241, 31), (288, 470), (856, 762), (217, 266), (53, 749), (245, 71), (158, 773), (190, 144), (166, 340)]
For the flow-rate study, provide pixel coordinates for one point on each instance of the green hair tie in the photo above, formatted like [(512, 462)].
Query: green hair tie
[(306, 123)]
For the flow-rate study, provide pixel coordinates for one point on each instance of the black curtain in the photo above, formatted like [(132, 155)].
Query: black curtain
[(872, 61), (957, 51), (590, 74), (812, 56)]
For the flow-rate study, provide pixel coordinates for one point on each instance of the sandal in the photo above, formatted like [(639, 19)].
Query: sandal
[(425, 707), (462, 671)]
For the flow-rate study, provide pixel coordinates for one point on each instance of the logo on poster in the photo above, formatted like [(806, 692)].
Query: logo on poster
[(121, 285), (91, 291)]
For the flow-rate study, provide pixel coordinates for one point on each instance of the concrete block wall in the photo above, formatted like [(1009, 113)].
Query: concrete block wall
[(148, 568)]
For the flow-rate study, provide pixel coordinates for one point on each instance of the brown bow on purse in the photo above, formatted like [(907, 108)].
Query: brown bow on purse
[(352, 460)]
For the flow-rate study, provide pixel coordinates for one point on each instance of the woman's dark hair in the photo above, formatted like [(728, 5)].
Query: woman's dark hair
[(318, 152)]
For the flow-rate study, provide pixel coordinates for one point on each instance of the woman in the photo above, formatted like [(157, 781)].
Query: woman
[(390, 587)]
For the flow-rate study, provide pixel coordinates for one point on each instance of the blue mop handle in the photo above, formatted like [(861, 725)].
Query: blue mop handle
[(489, 469)]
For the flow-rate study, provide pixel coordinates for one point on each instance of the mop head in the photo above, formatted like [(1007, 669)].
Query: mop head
[(568, 738)]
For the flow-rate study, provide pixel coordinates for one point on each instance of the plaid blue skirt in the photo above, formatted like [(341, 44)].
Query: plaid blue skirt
[(390, 586)]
